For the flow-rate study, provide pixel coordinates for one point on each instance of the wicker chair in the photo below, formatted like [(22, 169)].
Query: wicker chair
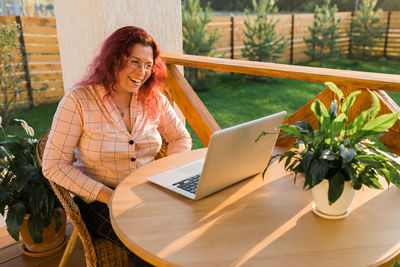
[(98, 251)]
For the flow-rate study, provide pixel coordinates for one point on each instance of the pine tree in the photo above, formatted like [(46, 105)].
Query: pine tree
[(261, 42), (197, 38), (366, 29), (325, 33)]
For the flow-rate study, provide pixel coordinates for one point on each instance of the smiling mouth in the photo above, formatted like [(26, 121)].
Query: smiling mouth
[(135, 80)]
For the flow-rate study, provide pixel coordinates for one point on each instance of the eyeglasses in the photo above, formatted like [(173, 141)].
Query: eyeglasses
[(137, 65)]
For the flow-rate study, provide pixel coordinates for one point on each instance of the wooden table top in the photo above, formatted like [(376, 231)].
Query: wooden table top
[(253, 223)]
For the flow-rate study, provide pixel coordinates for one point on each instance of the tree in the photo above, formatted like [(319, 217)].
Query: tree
[(9, 78), (390, 5), (365, 29), (324, 34), (197, 38), (261, 42)]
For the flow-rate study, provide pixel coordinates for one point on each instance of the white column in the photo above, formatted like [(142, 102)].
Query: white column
[(3, 8), (83, 24), (17, 7)]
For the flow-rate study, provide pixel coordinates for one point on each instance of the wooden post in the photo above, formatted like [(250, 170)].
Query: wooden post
[(25, 62), (350, 39), (387, 33), (292, 40), (232, 37), (197, 115)]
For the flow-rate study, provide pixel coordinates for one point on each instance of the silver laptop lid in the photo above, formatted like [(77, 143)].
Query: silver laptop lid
[(233, 154)]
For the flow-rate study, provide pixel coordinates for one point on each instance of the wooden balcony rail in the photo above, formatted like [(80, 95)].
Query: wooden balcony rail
[(204, 125)]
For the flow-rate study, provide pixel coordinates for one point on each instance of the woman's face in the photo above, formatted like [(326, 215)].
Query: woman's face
[(137, 70)]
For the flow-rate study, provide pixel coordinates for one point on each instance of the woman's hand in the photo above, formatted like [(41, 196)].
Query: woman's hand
[(105, 195)]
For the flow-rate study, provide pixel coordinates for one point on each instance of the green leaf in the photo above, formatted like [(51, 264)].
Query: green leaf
[(294, 166), (263, 173), (337, 124), (328, 154), (336, 186), (15, 218), (35, 226), (322, 115), (37, 196), (349, 174), (306, 162), (381, 123), (386, 173), (375, 105), (4, 195), (308, 181), (370, 181), (289, 153), (369, 161), (347, 153), (377, 125), (288, 160), (349, 102), (318, 170), (264, 133), (292, 130), (356, 125), (15, 148), (334, 89), (305, 128), (395, 178)]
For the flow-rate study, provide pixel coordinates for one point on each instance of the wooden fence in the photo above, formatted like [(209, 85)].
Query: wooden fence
[(295, 28), (40, 47)]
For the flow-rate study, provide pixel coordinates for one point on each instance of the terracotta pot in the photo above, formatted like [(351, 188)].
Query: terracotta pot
[(340, 207), (51, 239)]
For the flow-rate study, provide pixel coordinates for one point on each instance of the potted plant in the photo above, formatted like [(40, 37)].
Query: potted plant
[(339, 157), (33, 208)]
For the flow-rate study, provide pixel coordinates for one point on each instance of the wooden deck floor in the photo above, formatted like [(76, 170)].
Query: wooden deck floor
[(11, 255)]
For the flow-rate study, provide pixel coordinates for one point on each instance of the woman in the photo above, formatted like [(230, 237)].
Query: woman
[(112, 123)]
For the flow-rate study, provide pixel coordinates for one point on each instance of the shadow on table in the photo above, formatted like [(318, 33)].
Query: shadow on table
[(241, 220), (370, 235)]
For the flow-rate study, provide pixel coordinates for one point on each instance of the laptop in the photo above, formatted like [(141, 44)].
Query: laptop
[(232, 156)]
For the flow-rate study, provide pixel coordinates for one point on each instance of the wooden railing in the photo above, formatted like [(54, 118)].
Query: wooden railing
[(204, 124)]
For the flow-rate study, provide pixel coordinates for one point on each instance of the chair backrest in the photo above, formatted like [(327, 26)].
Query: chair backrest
[(70, 208)]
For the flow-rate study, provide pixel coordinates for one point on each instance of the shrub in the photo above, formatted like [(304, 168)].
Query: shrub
[(365, 29), (261, 42), (197, 38), (324, 34)]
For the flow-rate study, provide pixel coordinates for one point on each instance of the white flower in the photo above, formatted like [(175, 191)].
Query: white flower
[(1, 120), (28, 129)]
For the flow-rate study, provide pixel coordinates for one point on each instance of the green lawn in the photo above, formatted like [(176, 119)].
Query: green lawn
[(39, 118)]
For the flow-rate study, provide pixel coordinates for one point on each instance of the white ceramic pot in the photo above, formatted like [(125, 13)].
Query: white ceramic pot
[(340, 207)]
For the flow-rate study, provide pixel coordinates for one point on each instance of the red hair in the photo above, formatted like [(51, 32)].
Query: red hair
[(105, 68)]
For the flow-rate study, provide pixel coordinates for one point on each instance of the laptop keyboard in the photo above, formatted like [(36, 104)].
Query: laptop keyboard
[(189, 184)]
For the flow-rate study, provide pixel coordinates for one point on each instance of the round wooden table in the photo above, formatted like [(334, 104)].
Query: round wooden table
[(253, 223)]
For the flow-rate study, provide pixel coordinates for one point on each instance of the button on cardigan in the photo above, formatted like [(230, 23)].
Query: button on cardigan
[(87, 126)]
